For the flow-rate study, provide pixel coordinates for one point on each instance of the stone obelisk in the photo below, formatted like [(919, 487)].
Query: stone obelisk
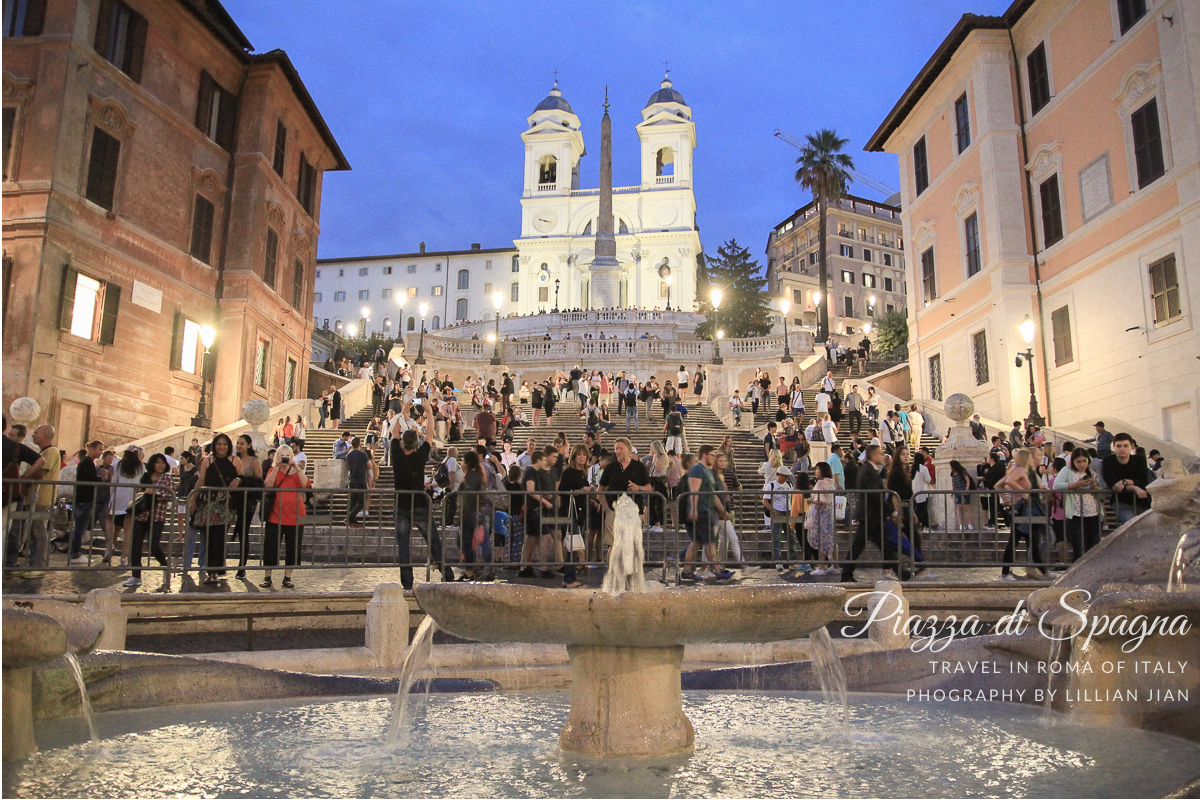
[(606, 272)]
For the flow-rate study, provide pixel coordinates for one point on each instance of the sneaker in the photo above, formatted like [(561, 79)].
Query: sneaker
[(834, 571), (724, 575), (817, 573), (801, 568), (79, 561), (1008, 577), (656, 529), (750, 570), (687, 576), (132, 582), (124, 562)]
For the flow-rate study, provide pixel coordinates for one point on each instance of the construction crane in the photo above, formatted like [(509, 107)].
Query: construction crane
[(877, 185)]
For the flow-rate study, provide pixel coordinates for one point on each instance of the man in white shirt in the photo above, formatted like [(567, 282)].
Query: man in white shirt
[(822, 402), (735, 405), (364, 372), (828, 384), (525, 460)]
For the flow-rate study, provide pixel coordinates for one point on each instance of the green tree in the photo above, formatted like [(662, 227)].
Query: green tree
[(891, 337), (743, 311), (822, 170)]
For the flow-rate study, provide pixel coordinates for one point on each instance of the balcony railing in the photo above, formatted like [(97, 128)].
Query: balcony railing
[(547, 187), (661, 179)]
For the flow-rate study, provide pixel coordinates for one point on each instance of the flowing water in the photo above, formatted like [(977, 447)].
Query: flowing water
[(84, 699), (414, 661), (828, 666), (1058, 643), (1185, 566)]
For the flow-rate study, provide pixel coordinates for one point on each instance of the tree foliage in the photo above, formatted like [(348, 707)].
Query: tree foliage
[(891, 337), (743, 311), (823, 169)]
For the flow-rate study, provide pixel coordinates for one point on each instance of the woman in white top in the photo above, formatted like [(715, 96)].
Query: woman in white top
[(771, 466), (126, 475), (920, 482), (829, 430), (682, 376), (873, 406), (508, 457), (1082, 510)]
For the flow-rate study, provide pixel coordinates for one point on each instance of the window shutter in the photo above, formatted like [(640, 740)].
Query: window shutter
[(204, 103), (297, 284), (202, 226), (108, 322), (1060, 323), (35, 15), (1172, 284), (103, 23), (177, 340), (271, 258), (66, 309), (135, 47), (227, 120), (102, 169), (280, 147)]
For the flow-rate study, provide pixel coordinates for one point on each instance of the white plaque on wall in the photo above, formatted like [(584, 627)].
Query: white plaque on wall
[(1095, 188), (147, 296)]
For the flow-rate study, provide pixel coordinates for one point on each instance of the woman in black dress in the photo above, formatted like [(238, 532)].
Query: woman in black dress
[(219, 471)]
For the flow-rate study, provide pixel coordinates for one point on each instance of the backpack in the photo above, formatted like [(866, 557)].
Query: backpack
[(674, 424), (441, 475), (631, 395)]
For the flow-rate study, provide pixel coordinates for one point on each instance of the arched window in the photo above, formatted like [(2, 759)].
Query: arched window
[(362, 327), (437, 323), (622, 228), (516, 264), (587, 229), (548, 170), (412, 323), (664, 162), (387, 324), (337, 327), (460, 309), (514, 292), (464, 279)]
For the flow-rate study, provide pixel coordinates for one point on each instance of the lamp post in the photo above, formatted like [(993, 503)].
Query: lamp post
[(497, 300), (785, 306), (556, 284), (668, 280), (202, 418), (366, 316), (817, 307), (715, 296), (424, 309), (1027, 330)]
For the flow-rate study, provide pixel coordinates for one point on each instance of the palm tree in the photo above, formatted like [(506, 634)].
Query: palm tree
[(823, 171)]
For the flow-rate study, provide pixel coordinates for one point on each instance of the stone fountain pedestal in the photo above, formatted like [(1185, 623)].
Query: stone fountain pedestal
[(626, 650)]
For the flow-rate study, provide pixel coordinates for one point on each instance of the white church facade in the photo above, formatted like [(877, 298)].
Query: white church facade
[(549, 266)]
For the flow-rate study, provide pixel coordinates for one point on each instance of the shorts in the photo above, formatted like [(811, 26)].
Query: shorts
[(703, 530)]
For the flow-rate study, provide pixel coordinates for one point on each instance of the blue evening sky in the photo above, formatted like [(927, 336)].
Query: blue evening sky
[(428, 101)]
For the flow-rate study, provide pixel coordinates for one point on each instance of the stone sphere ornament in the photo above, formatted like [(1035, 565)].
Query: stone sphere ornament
[(25, 410), (959, 407), (256, 412)]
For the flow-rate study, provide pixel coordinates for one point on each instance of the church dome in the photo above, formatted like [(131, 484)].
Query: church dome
[(666, 94), (554, 102)]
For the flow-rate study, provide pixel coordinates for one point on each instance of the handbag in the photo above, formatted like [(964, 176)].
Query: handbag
[(839, 506), (212, 509)]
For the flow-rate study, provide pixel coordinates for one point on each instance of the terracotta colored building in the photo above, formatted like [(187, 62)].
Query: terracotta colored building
[(1050, 168), (159, 176)]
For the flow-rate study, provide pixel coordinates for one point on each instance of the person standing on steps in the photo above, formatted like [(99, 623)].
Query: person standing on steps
[(874, 508), (410, 454), (828, 384), (697, 386), (362, 471), (854, 406), (335, 408)]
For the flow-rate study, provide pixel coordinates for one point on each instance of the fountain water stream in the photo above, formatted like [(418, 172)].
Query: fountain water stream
[(414, 661), (84, 699), (828, 666)]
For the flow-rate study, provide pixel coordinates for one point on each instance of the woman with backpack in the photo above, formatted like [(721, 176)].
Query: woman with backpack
[(673, 432), (669, 397)]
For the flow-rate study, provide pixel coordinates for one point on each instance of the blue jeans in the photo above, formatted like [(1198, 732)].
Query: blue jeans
[(83, 523), (467, 536), (1125, 512), (631, 415), (780, 536), (195, 542), (417, 518)]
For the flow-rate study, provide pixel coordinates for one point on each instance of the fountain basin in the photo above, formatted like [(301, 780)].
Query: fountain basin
[(626, 650)]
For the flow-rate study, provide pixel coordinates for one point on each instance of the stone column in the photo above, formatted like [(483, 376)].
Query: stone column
[(963, 447), (107, 603), (387, 625)]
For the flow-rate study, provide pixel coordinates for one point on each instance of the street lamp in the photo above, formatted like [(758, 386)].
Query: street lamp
[(667, 276), (866, 329), (785, 306), (352, 330), (497, 301), (715, 296), (1027, 330), (556, 283), (366, 315), (871, 312), (424, 309), (202, 418)]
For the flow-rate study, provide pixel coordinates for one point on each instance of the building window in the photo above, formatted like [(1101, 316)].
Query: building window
[(202, 229), (437, 323), (1164, 291), (24, 17), (271, 258), (339, 297), (10, 121), (928, 276), (1129, 12), (935, 377), (317, 299), (185, 344), (387, 324), (487, 264), (464, 280), (364, 294), (460, 309), (341, 273), (412, 323), (436, 291), (868, 280), (89, 307), (289, 380), (979, 354), (797, 297), (849, 305), (887, 259), (846, 251), (437, 267), (306, 185), (866, 254), (411, 269), (812, 257), (847, 277), (887, 284), (516, 264), (120, 37), (921, 166), (487, 290), (971, 232), (386, 294), (1060, 328), (280, 156), (543, 294), (1147, 144), (1039, 78), (548, 170), (514, 292), (261, 357), (318, 273), (1052, 225), (962, 123), (337, 327), (387, 270), (102, 169), (297, 284), (364, 271), (216, 112)]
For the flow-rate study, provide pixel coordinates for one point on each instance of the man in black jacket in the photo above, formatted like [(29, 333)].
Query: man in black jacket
[(990, 473), (873, 509), (409, 456)]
